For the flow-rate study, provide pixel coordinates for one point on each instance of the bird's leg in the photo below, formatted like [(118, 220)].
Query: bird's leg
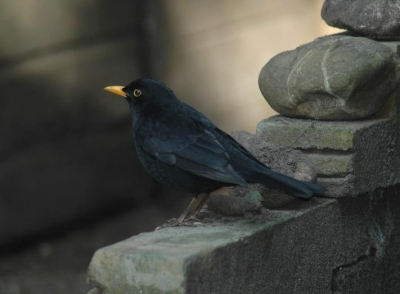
[(193, 208), (187, 211), (204, 198)]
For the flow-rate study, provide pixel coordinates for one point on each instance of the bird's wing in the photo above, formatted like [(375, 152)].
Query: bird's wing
[(236, 144), (188, 144)]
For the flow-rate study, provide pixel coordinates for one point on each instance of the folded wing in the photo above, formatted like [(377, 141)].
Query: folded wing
[(190, 146)]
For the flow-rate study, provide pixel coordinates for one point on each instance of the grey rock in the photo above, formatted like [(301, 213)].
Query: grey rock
[(285, 160), (375, 18), (233, 206), (332, 78), (254, 195)]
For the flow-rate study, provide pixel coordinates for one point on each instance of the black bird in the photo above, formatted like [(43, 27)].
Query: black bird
[(182, 148)]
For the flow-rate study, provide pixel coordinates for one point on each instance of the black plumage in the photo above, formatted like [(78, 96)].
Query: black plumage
[(182, 148)]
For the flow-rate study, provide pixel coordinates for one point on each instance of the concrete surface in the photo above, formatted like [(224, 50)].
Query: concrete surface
[(346, 245)]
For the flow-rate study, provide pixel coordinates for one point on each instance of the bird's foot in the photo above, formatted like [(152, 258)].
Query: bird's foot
[(189, 222), (193, 218), (169, 224)]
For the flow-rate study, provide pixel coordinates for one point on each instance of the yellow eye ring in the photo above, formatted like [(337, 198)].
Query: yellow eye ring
[(137, 93)]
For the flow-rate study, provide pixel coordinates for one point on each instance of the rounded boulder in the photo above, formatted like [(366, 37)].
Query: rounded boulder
[(332, 78)]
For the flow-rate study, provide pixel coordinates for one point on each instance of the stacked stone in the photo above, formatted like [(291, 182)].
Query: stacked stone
[(374, 18), (338, 100)]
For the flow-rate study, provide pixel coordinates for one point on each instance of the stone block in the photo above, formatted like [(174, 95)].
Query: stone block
[(346, 245), (350, 157), (311, 134), (174, 260), (332, 164)]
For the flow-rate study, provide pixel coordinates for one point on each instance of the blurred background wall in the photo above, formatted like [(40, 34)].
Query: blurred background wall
[(216, 49), (66, 151)]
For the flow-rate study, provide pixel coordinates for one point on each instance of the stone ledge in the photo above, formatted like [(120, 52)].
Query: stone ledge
[(332, 164), (172, 260), (314, 134), (350, 157), (320, 246)]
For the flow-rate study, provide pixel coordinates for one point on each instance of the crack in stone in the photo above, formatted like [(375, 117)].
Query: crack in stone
[(327, 85), (327, 151), (297, 69), (335, 286)]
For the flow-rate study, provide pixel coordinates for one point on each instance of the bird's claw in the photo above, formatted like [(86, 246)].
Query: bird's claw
[(193, 218), (189, 222)]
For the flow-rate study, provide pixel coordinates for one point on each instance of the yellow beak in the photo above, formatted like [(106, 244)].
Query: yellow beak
[(116, 90)]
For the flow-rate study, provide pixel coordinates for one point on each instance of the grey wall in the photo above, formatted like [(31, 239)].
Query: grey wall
[(66, 149)]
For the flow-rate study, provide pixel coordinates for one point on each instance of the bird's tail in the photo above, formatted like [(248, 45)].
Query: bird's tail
[(288, 184)]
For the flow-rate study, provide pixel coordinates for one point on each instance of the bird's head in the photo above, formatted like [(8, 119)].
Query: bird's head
[(143, 93)]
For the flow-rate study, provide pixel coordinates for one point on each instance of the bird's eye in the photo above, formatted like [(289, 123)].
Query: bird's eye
[(137, 93)]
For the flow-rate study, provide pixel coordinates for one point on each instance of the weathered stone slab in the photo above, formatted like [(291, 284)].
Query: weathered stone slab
[(332, 164), (314, 134), (350, 157), (347, 245), (174, 260)]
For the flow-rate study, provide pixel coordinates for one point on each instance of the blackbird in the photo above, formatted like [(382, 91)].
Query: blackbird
[(182, 148)]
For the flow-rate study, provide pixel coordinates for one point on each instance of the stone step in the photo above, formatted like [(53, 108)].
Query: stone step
[(195, 260), (308, 247), (350, 157), (313, 134)]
